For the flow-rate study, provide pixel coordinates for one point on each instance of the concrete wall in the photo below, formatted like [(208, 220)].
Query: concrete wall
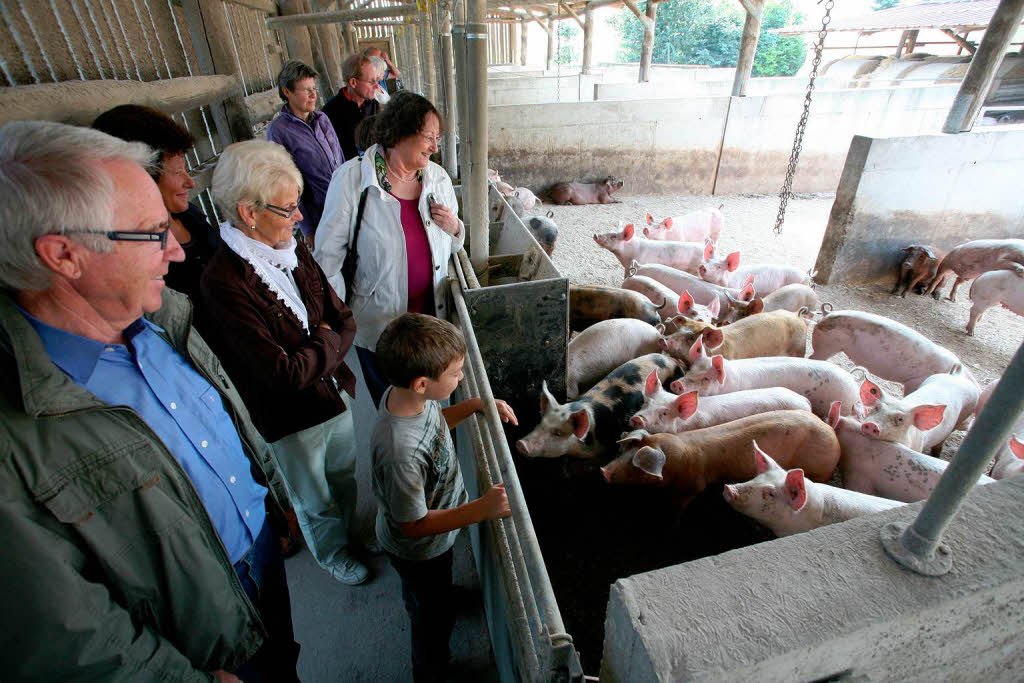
[(702, 145), (543, 88), (830, 603), (940, 190)]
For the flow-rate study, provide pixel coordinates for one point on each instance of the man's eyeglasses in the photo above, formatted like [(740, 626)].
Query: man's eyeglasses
[(124, 236), (283, 212)]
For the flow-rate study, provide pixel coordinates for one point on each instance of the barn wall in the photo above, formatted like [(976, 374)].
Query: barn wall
[(939, 190), (831, 605), (673, 146)]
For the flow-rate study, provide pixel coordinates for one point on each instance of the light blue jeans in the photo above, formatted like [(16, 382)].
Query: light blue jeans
[(319, 469)]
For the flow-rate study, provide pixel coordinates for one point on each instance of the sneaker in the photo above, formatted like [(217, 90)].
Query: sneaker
[(350, 571)]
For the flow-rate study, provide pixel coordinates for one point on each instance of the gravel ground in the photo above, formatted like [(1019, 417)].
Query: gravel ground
[(592, 533)]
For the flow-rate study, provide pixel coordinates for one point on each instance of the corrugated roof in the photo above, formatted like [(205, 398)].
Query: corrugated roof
[(973, 15)]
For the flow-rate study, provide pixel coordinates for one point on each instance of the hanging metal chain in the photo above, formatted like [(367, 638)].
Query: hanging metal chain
[(801, 126)]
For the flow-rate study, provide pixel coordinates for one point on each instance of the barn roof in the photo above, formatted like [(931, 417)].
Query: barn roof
[(968, 15)]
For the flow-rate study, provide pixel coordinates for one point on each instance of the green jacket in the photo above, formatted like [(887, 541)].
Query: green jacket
[(111, 568)]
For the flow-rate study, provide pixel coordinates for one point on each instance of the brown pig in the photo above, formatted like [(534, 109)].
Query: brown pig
[(776, 333), (724, 454), (918, 265), (585, 193), (971, 259), (592, 303)]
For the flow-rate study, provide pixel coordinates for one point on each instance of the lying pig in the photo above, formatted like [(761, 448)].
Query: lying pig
[(585, 193), (768, 277), (1010, 460), (791, 298), (924, 418), (884, 468), (604, 346), (544, 230), (787, 503), (703, 292), (592, 303), (917, 268), (691, 461), (820, 382), (886, 348), (628, 248), (995, 287), (779, 333), (696, 226), (971, 259), (589, 426), (665, 412)]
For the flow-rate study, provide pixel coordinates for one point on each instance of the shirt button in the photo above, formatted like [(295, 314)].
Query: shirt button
[(231, 479), (204, 443), (174, 406), (109, 348), (246, 513)]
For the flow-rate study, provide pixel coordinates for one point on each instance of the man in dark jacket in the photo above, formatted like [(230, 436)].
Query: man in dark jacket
[(133, 486), (354, 102)]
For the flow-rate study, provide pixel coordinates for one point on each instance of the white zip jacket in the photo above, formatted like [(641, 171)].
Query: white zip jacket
[(380, 289)]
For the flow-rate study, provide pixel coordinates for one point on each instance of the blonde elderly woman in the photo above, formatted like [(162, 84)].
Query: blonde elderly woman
[(408, 226), (282, 333)]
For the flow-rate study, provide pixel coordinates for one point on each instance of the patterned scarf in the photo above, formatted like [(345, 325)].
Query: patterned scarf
[(380, 164)]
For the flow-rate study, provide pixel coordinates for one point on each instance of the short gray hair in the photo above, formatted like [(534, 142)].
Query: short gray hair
[(291, 72), (251, 172), (51, 182)]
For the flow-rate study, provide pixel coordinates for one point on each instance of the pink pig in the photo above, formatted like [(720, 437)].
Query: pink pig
[(768, 277), (628, 247), (675, 304), (994, 288), (703, 292), (695, 226), (1010, 460)]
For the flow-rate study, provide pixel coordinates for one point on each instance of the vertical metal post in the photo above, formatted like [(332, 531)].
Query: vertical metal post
[(414, 51), (429, 67), (984, 65), (462, 96), (588, 39), (748, 46), (919, 546), (451, 108), (476, 58)]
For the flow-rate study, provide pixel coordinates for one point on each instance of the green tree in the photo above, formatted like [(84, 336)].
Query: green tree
[(884, 4), (567, 33), (708, 32)]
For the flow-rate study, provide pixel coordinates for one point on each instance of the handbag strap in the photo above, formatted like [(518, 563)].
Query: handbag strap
[(359, 218)]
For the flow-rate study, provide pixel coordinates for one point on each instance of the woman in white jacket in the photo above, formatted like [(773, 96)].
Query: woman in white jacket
[(409, 228)]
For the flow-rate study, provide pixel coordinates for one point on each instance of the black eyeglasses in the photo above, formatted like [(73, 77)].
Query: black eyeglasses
[(124, 236), (281, 211)]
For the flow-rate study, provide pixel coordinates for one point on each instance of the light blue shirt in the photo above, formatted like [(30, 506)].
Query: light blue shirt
[(184, 410)]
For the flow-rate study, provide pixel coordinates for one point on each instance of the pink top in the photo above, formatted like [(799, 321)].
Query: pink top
[(417, 249)]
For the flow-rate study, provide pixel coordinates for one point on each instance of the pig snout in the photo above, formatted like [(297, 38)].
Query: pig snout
[(729, 493), (606, 473), (663, 344), (637, 422), (523, 447), (676, 387), (870, 429)]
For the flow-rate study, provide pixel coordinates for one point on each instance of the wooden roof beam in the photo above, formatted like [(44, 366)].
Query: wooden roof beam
[(962, 42)]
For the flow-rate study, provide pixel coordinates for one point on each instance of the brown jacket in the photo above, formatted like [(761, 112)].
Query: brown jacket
[(290, 379)]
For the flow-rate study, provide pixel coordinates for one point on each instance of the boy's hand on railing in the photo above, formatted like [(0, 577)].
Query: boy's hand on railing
[(505, 412), (495, 502)]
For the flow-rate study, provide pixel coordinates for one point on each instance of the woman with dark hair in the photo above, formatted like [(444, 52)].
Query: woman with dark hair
[(189, 225), (408, 226)]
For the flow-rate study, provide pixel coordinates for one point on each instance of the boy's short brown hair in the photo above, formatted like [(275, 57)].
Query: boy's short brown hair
[(416, 345)]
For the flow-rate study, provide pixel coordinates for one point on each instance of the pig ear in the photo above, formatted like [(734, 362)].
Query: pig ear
[(1017, 447), (668, 222), (718, 364), (796, 489), (732, 261), (685, 301), (652, 383), (833, 414), (928, 417), (686, 405), (649, 460), (635, 435), (546, 399), (627, 232), (748, 293), (762, 461), (755, 307), (580, 423), (702, 270), (709, 251), (870, 393), (650, 219), (713, 337), (750, 278), (696, 350), (715, 307)]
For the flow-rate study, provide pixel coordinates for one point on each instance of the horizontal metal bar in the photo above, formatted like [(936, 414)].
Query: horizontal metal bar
[(340, 16)]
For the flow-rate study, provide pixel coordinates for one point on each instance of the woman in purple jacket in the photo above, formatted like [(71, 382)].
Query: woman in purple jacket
[(309, 137)]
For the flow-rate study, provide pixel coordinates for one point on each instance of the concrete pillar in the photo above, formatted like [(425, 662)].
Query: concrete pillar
[(748, 46), (588, 42), (984, 65), (552, 28), (476, 58), (451, 109), (647, 48), (523, 28)]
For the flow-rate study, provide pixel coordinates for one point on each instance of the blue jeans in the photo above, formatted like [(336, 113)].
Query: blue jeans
[(429, 597), (261, 572)]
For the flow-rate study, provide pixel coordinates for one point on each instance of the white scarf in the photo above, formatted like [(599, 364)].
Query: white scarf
[(273, 266)]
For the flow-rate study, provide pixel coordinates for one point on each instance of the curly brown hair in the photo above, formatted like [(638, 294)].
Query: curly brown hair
[(402, 117), (135, 123)]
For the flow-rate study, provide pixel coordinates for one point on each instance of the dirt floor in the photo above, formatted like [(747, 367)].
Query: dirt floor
[(592, 533)]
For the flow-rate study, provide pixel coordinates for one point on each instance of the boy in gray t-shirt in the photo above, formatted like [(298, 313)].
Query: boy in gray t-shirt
[(416, 477)]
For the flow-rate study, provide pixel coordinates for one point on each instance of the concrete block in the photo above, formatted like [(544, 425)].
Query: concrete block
[(830, 604)]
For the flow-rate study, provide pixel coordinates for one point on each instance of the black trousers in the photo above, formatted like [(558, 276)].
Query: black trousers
[(429, 597), (375, 380), (261, 572)]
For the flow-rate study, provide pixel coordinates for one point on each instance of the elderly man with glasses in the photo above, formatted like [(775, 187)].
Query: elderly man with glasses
[(354, 102), (135, 487)]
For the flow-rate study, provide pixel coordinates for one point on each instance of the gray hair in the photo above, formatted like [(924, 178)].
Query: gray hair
[(351, 68), (51, 182), (379, 66), (252, 172), (291, 72)]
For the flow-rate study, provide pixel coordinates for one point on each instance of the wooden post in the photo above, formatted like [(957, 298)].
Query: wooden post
[(414, 51), (430, 68), (748, 46), (912, 41), (211, 40), (588, 40), (523, 27), (319, 42), (984, 65), (647, 48), (902, 44), (962, 42), (551, 43), (296, 38)]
